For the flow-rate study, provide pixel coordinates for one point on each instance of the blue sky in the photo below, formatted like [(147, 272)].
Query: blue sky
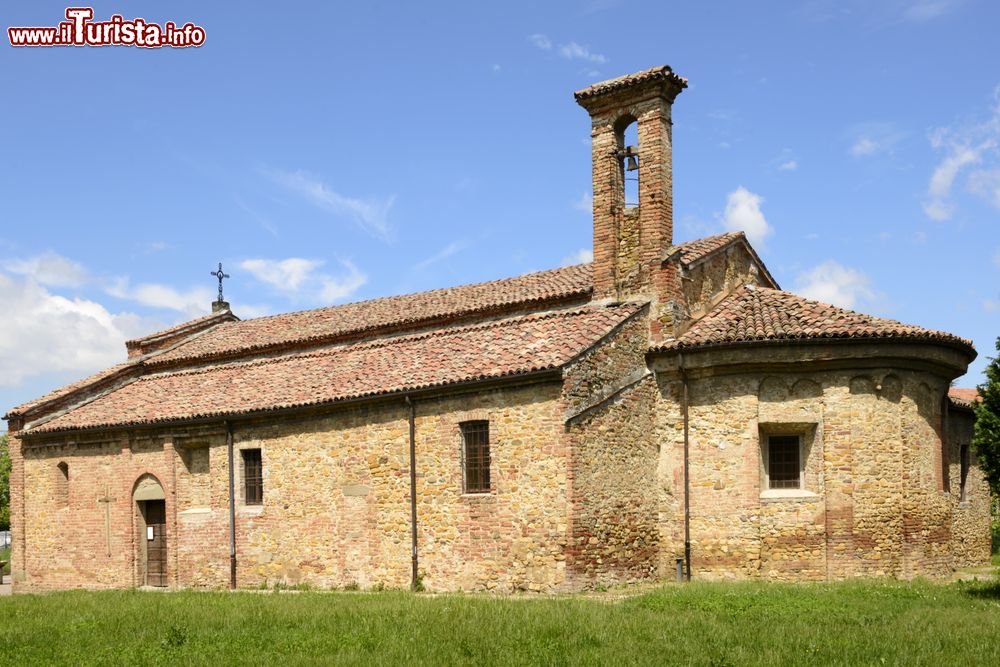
[(331, 152)]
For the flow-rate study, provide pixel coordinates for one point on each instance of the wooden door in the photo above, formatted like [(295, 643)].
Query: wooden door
[(154, 513)]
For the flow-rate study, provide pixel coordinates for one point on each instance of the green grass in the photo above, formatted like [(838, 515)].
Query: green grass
[(854, 623), (5, 556)]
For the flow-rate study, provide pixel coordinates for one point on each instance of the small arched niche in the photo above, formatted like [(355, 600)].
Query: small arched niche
[(62, 484), (148, 487)]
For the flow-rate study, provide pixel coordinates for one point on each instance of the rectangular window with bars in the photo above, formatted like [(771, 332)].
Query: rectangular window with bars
[(476, 456), (784, 465), (253, 477)]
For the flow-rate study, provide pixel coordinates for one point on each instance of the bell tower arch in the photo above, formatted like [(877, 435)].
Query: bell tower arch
[(630, 238)]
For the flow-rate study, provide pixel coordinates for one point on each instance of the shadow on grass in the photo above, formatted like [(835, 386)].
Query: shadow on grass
[(984, 591)]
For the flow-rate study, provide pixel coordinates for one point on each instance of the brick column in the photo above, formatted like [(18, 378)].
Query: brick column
[(17, 519), (170, 464)]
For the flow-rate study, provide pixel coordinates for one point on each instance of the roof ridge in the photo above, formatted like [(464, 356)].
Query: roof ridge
[(386, 315), (221, 315), (379, 299)]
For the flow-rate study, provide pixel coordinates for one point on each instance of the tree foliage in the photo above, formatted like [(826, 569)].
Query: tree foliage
[(4, 484), (986, 438)]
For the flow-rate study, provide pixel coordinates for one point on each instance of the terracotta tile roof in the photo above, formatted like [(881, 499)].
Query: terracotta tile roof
[(178, 327), (133, 365), (497, 349), (963, 397), (759, 314), (692, 252), (663, 73), (56, 394), (160, 339), (385, 314)]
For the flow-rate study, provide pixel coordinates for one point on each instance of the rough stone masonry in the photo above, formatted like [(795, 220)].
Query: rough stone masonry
[(556, 431)]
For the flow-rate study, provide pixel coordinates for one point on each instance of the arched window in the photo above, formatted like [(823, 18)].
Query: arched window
[(62, 485), (627, 136)]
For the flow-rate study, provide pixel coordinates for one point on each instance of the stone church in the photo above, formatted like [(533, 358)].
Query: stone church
[(665, 408)]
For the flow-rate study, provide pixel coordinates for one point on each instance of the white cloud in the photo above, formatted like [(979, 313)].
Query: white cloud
[(963, 146), (790, 165), (192, 303), (986, 184), (444, 253), (991, 306), (286, 274), (541, 41), (585, 203), (925, 10), (939, 188), (47, 333), (743, 214), (369, 214), (300, 278), (52, 270), (569, 51), (49, 269), (873, 138), (338, 289), (831, 282), (864, 146), (581, 256), (574, 51)]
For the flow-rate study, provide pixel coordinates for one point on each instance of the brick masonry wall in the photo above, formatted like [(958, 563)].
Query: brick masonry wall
[(65, 537), (629, 243)]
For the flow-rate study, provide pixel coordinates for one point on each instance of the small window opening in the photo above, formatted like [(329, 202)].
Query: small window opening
[(784, 462), (476, 456), (963, 472), (630, 164), (62, 484), (253, 477)]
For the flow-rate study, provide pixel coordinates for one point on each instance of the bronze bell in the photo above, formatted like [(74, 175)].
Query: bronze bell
[(633, 163)]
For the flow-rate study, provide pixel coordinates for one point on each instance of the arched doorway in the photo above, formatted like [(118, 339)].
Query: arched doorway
[(152, 518)]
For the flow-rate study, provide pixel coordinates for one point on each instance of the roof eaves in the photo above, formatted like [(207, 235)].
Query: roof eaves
[(537, 374), (678, 345)]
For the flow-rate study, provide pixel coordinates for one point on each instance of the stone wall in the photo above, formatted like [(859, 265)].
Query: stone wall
[(611, 400), (708, 282), (336, 508), (971, 543), (872, 502), (586, 485)]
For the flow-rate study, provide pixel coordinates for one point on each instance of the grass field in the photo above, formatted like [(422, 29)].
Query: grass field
[(854, 623)]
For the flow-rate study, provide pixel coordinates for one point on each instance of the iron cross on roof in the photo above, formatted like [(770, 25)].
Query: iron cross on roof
[(220, 275)]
